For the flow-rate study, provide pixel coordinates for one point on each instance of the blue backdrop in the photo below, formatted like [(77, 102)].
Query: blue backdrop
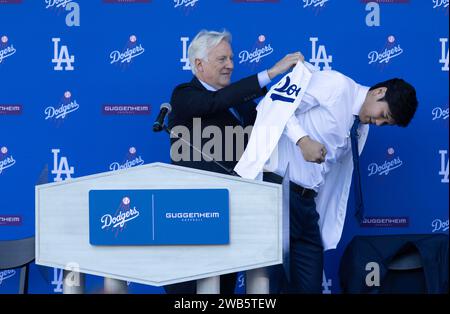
[(82, 81)]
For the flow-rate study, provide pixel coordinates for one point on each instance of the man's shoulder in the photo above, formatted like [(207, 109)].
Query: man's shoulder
[(331, 80), (332, 75), (194, 84)]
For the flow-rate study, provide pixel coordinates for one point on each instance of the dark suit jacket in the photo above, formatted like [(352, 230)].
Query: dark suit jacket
[(433, 250), (192, 100)]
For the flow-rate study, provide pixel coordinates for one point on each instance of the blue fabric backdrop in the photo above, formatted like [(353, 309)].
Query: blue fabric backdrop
[(93, 112)]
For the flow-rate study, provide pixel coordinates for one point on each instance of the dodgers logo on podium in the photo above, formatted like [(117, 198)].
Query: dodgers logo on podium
[(159, 217)]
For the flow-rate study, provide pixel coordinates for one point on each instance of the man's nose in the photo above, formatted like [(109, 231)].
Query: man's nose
[(230, 64)]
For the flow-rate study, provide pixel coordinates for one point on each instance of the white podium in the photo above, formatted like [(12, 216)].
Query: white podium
[(255, 219)]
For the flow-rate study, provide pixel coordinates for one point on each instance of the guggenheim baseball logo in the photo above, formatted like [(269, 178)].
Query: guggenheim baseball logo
[(6, 49), (192, 216), (121, 217), (126, 109), (10, 109), (128, 53), (259, 51), (6, 160), (10, 220)]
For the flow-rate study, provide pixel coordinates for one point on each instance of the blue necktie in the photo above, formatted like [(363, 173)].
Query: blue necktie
[(359, 204)]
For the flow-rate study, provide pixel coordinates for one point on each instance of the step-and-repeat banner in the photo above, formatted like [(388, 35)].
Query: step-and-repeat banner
[(82, 82)]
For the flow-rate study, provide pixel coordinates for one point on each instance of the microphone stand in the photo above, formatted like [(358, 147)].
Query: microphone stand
[(228, 171)]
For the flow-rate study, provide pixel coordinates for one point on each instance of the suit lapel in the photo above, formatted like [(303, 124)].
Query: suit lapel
[(197, 84)]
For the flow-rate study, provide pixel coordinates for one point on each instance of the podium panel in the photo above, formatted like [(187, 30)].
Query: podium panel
[(255, 223)]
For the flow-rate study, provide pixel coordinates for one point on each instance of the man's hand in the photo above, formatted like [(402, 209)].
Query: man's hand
[(311, 150), (285, 64)]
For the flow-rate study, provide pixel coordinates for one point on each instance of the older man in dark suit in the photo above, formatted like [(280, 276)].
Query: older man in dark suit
[(210, 104)]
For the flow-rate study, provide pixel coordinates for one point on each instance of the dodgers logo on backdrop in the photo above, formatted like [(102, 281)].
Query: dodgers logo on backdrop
[(122, 215), (62, 110), (288, 89), (319, 55), (6, 160), (73, 17), (184, 59), (259, 51), (439, 113), (57, 3), (389, 52), (439, 225), (444, 166), (326, 283), (314, 3), (241, 280), (444, 54), (387, 166), (131, 161), (6, 274), (61, 56), (252, 1), (126, 1), (440, 4), (184, 3), (6, 49), (61, 166), (131, 51), (57, 281)]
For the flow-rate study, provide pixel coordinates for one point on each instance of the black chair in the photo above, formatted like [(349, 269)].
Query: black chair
[(18, 254), (414, 263)]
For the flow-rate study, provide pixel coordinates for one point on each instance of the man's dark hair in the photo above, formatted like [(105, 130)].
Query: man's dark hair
[(401, 99)]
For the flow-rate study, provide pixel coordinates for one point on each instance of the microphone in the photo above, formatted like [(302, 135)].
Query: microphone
[(158, 126), (164, 110)]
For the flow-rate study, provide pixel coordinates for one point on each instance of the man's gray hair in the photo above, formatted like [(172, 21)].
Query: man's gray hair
[(203, 43)]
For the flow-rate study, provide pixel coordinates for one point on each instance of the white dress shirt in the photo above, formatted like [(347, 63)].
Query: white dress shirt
[(329, 105), (327, 113)]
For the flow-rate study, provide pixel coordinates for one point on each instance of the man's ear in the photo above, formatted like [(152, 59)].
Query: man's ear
[(199, 65), (380, 92)]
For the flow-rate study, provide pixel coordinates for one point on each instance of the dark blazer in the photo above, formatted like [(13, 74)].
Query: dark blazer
[(433, 251), (192, 100)]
